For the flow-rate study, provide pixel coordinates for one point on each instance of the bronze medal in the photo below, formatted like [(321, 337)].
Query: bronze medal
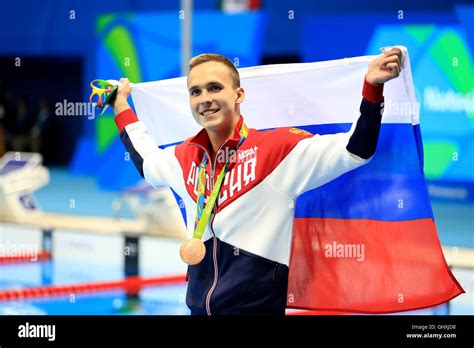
[(192, 251)]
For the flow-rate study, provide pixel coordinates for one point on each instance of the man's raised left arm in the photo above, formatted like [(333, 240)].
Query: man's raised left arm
[(385, 67), (316, 160)]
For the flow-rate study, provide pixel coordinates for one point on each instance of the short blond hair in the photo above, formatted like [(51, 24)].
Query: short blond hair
[(213, 57)]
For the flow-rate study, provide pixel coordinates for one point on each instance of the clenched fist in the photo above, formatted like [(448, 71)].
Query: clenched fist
[(385, 67), (125, 89)]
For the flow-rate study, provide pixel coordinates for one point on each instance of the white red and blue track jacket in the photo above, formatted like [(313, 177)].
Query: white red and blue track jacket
[(249, 236)]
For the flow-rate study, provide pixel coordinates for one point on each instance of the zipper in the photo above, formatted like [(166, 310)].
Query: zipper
[(214, 254), (216, 276)]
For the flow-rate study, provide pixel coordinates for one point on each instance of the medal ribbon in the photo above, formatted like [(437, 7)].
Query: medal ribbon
[(203, 214)]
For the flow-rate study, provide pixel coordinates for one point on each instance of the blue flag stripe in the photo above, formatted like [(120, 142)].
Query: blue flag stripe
[(391, 187)]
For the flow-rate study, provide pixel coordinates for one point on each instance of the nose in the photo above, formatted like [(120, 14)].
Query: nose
[(205, 97), (204, 103)]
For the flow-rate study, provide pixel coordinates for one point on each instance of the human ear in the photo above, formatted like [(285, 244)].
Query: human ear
[(240, 95)]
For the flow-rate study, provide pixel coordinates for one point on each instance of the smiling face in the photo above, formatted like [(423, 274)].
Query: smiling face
[(213, 97)]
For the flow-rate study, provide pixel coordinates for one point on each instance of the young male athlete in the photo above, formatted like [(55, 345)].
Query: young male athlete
[(255, 178)]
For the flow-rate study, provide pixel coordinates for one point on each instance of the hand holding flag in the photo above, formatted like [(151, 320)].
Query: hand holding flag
[(123, 92), (385, 66)]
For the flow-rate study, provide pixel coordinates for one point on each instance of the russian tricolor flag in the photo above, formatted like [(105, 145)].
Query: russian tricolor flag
[(367, 241)]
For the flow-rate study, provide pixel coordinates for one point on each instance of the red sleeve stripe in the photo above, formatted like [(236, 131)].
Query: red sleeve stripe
[(124, 118), (372, 92)]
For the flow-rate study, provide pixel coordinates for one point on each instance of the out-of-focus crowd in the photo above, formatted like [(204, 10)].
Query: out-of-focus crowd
[(25, 125)]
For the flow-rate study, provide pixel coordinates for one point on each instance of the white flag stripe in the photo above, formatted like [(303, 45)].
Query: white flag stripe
[(278, 96)]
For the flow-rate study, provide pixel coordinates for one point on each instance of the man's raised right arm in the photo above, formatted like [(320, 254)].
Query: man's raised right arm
[(157, 166)]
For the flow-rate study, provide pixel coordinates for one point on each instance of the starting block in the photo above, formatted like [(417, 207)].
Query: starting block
[(21, 174)]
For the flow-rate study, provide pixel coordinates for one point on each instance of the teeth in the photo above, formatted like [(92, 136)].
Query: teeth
[(209, 112)]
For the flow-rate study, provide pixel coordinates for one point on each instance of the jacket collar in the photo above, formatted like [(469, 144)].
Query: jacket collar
[(202, 138)]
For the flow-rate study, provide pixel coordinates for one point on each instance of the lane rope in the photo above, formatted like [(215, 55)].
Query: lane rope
[(131, 285)]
